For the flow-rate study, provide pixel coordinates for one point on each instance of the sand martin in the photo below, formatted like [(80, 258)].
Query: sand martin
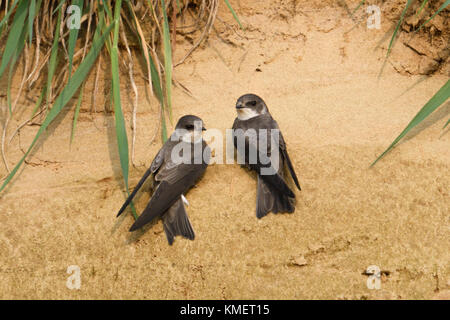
[(271, 156), (179, 164)]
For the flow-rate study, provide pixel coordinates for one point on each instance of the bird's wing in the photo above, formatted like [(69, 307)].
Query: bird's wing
[(283, 150), (156, 164), (251, 147), (175, 179)]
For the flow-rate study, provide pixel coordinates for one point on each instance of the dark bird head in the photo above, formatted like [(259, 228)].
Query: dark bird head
[(189, 127), (249, 106)]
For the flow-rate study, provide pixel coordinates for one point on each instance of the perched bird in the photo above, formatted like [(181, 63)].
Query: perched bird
[(271, 156), (180, 162)]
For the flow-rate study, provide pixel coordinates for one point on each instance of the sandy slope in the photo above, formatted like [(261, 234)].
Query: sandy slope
[(319, 79)]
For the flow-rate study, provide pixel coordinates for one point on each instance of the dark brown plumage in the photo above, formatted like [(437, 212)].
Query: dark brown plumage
[(172, 179), (273, 193)]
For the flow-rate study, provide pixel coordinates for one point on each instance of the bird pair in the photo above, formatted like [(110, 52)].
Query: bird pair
[(172, 178)]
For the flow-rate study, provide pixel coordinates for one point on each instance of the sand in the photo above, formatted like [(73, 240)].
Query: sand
[(317, 73)]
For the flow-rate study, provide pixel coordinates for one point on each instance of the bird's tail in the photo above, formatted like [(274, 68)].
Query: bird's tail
[(270, 199), (176, 222)]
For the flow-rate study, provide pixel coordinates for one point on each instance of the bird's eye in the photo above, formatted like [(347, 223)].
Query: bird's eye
[(190, 126), (251, 103)]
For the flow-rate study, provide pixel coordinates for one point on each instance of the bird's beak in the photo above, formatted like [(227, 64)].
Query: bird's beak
[(239, 105)]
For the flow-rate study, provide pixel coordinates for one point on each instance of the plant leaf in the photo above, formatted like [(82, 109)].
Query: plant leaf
[(31, 13), (13, 40), (424, 2), (77, 112), (398, 26), (121, 132), (234, 14), (8, 14), (73, 36), (54, 55), (69, 90), (439, 98), (359, 5), (444, 5), (167, 60)]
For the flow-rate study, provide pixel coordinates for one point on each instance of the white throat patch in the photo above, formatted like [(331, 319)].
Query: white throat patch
[(192, 136), (246, 113)]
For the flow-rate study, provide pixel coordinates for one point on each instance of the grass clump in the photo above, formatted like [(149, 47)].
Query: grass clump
[(61, 51), (439, 97)]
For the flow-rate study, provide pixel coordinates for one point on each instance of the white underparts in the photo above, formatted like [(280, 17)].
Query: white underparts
[(184, 200), (192, 136), (246, 113)]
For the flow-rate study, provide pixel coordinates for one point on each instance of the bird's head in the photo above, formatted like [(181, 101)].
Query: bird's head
[(249, 106), (190, 128)]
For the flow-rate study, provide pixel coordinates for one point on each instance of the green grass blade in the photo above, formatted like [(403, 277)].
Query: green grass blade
[(103, 8), (8, 14), (445, 126), (73, 36), (38, 103), (234, 14), (8, 89), (424, 2), (397, 27), (77, 112), (58, 7), (359, 6), (31, 14), (12, 43), (121, 132), (107, 10), (11, 68), (439, 98), (69, 90), (167, 60), (444, 5), (54, 55)]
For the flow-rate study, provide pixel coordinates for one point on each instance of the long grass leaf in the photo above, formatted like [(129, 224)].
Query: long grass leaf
[(121, 132), (358, 6), (234, 14), (178, 6), (77, 112), (31, 14), (69, 90), (11, 68), (73, 36), (38, 103), (54, 55), (439, 98), (14, 35), (424, 2), (8, 14), (59, 6), (444, 5), (167, 60), (397, 27)]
